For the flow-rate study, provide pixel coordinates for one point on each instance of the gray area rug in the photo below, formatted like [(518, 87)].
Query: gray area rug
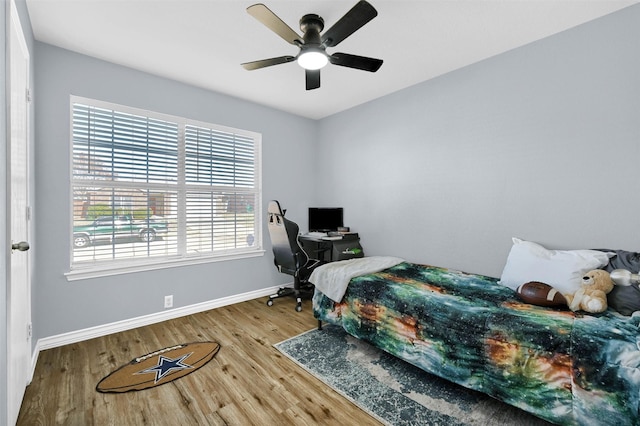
[(391, 390)]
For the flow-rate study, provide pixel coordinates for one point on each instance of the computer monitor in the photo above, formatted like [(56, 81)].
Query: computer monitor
[(325, 219)]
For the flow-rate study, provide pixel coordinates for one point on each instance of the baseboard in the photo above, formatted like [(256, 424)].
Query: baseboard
[(115, 327)]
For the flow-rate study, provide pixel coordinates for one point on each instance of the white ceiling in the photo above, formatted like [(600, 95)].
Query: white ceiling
[(203, 42)]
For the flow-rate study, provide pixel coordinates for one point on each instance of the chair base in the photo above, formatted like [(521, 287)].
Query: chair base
[(304, 292)]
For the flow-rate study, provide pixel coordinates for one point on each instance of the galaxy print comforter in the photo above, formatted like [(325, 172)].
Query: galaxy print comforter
[(565, 367)]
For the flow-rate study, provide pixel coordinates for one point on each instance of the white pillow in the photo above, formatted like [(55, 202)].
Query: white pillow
[(562, 269)]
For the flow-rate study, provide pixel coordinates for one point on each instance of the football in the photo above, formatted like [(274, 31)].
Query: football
[(159, 367), (540, 294)]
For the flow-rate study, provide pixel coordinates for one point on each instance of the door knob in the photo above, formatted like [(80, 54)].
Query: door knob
[(21, 246)]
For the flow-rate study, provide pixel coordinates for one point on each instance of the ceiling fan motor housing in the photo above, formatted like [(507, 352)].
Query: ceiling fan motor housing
[(311, 26)]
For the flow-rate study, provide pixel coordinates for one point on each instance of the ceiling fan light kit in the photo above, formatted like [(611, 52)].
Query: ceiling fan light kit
[(312, 59), (313, 56)]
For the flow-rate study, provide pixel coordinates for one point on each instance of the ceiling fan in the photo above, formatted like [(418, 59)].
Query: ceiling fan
[(313, 56)]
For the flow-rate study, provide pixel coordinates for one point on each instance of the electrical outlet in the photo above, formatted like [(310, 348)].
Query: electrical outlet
[(168, 301)]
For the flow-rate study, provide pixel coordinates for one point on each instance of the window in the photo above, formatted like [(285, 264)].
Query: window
[(151, 190)]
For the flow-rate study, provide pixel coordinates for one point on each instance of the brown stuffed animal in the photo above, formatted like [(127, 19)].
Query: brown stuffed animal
[(592, 295)]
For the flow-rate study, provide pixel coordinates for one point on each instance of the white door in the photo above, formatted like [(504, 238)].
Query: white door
[(19, 287)]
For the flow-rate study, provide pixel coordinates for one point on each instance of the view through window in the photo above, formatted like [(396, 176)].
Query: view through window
[(150, 188)]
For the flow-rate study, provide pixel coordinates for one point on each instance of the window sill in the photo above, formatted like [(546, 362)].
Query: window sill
[(95, 272)]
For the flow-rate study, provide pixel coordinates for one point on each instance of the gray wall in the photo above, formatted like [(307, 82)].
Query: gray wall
[(541, 142), (60, 306)]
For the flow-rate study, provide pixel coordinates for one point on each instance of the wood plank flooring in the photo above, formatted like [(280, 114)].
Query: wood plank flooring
[(248, 382)]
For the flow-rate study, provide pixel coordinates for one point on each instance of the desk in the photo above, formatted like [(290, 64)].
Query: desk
[(348, 247)]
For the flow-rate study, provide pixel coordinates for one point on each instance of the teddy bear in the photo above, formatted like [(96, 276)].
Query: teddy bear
[(592, 295)]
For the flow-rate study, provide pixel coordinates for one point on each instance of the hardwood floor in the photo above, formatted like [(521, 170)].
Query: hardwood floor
[(248, 382)]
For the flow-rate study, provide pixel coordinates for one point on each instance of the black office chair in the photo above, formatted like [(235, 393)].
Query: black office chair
[(289, 256)]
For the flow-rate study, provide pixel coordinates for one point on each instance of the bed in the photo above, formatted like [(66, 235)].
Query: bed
[(562, 366)]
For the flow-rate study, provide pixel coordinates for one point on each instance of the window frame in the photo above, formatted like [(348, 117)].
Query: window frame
[(85, 270)]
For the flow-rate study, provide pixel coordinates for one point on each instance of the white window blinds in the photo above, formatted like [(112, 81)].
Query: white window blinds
[(151, 188)]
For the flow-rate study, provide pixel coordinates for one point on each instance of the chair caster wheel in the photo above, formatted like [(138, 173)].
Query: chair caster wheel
[(298, 308), (270, 302)]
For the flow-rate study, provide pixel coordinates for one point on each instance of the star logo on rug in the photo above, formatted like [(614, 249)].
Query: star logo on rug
[(166, 365)]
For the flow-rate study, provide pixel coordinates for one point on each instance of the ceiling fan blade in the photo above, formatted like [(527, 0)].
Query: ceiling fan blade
[(267, 62), (354, 61), (353, 20), (313, 79), (270, 20)]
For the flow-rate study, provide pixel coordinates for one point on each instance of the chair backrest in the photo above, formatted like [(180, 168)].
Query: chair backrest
[(288, 255)]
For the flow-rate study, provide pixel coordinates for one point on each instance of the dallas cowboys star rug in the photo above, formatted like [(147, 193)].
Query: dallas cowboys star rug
[(159, 367)]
